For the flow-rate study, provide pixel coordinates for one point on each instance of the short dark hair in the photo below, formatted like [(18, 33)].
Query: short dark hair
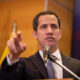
[(35, 20)]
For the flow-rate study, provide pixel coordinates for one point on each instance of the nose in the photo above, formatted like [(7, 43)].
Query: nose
[(49, 30)]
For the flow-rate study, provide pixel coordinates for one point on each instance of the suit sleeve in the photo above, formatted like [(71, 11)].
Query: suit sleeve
[(12, 72)]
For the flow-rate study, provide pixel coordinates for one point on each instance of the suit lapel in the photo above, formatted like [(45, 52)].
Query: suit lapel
[(65, 63), (37, 60)]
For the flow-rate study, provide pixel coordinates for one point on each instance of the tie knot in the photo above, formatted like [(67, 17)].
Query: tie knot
[(48, 56), (49, 61), (52, 58)]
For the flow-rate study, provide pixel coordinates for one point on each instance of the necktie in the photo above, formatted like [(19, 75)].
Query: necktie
[(50, 69)]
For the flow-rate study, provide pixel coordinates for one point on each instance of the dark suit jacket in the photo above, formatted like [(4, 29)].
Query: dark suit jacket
[(34, 68)]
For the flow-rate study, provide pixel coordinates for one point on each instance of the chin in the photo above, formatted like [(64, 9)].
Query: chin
[(49, 44)]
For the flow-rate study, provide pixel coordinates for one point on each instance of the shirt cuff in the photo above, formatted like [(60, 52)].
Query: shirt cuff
[(11, 62)]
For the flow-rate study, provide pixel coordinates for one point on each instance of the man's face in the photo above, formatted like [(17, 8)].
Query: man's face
[(48, 32)]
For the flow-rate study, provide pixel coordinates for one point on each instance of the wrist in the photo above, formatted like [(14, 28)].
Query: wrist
[(12, 57), (11, 62)]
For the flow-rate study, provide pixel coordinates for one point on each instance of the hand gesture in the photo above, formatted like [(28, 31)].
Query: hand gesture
[(15, 46)]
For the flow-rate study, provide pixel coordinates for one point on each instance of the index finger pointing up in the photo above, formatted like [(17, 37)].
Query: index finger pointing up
[(19, 36)]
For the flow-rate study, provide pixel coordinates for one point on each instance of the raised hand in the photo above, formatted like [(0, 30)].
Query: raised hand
[(16, 46)]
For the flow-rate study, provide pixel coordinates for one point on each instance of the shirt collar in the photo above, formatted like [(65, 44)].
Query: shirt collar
[(56, 54)]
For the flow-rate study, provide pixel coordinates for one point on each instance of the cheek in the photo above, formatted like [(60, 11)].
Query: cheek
[(40, 36), (59, 35)]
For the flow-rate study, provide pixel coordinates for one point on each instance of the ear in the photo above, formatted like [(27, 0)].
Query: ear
[(35, 34)]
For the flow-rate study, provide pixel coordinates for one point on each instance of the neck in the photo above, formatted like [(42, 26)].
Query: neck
[(53, 49)]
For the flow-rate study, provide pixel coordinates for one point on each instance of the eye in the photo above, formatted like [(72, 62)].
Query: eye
[(44, 26), (54, 26)]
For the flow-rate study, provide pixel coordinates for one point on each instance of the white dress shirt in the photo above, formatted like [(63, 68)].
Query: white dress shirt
[(58, 69), (11, 62)]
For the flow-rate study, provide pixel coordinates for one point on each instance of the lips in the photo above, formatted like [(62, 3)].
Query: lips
[(49, 38)]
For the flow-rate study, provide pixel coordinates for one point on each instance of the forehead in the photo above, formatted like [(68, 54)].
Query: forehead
[(47, 18)]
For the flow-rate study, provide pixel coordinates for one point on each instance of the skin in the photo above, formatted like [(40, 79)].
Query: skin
[(48, 34), (16, 46)]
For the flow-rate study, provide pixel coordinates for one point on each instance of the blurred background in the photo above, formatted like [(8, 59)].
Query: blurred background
[(23, 12)]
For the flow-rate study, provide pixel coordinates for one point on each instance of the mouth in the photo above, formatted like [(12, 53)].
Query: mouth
[(49, 38)]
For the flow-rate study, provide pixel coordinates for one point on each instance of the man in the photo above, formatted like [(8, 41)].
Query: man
[(47, 31)]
